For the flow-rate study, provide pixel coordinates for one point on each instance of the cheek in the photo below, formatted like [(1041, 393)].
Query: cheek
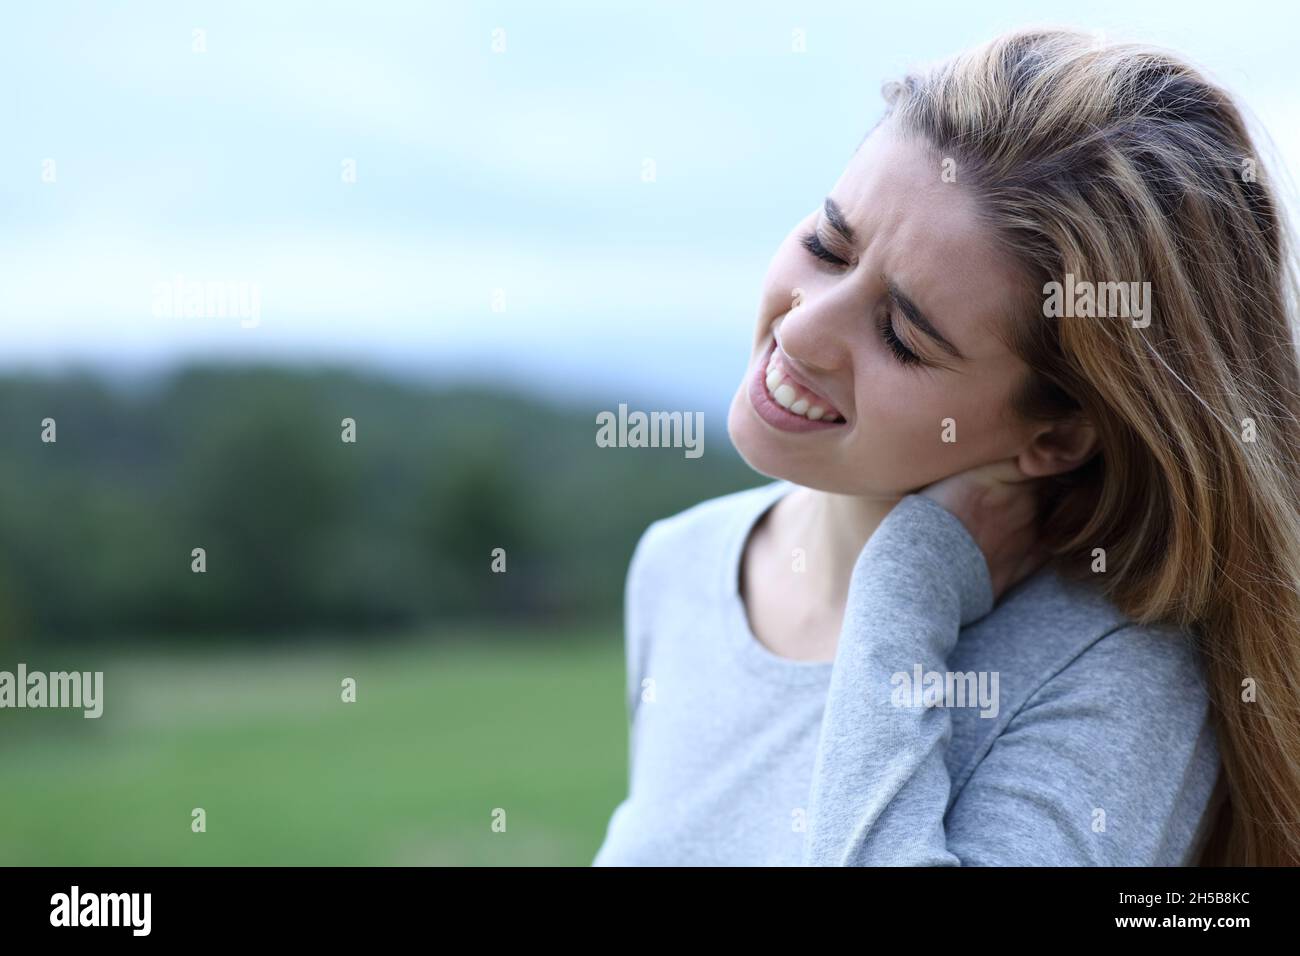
[(905, 416)]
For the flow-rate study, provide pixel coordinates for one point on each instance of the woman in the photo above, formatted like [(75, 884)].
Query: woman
[(1026, 588)]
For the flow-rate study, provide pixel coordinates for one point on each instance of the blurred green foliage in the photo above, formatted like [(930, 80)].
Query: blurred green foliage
[(302, 530)]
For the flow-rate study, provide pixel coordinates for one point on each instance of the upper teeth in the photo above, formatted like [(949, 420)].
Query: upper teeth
[(786, 394)]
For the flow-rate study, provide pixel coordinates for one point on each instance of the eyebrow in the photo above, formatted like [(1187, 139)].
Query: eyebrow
[(917, 318), (910, 311), (837, 220)]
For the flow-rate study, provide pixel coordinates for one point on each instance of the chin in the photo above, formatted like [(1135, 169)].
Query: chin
[(744, 429), (768, 452), (787, 458)]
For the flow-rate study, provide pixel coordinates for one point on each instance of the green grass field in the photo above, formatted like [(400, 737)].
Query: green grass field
[(441, 736)]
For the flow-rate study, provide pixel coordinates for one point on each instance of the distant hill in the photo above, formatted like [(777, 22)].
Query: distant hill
[(304, 531)]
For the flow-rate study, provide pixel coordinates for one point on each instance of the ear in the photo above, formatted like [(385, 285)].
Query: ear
[(1059, 447)]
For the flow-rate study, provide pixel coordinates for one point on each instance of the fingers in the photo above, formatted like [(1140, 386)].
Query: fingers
[(1006, 471)]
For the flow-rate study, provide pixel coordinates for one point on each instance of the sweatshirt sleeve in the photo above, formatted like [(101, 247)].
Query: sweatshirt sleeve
[(880, 785), (1094, 769)]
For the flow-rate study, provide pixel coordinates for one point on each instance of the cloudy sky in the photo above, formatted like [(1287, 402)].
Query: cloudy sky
[(139, 150)]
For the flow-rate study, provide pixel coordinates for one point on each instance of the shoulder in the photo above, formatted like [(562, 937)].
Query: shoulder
[(679, 568), (1126, 690), (698, 532), (1101, 713), (1144, 671), (1070, 658), (1080, 630)]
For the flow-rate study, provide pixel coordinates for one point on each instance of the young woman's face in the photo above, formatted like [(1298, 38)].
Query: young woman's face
[(858, 391)]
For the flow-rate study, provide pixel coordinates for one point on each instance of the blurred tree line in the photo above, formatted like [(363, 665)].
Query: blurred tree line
[(304, 531)]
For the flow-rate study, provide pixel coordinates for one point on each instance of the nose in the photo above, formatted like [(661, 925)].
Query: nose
[(812, 332)]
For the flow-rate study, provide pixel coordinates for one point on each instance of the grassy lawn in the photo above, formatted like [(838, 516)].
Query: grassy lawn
[(442, 734)]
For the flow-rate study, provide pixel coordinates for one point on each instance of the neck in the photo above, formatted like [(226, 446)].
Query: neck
[(832, 529)]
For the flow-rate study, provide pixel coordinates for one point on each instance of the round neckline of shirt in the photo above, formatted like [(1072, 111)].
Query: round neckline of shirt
[(745, 645)]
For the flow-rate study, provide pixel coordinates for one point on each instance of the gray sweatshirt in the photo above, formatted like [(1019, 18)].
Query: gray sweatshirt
[(1049, 730)]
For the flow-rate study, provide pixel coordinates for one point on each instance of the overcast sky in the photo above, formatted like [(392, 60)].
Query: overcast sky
[(476, 170)]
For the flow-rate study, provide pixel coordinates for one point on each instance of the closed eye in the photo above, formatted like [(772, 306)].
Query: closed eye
[(814, 245), (902, 353)]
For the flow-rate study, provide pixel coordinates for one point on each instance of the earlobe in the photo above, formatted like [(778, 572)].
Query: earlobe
[(1058, 448)]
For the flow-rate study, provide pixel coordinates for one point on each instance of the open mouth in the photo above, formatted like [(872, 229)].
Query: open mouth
[(782, 400)]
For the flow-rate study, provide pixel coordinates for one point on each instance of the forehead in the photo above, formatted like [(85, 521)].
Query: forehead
[(926, 235)]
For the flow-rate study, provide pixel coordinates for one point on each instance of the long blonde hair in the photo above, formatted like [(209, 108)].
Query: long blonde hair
[(1120, 163)]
